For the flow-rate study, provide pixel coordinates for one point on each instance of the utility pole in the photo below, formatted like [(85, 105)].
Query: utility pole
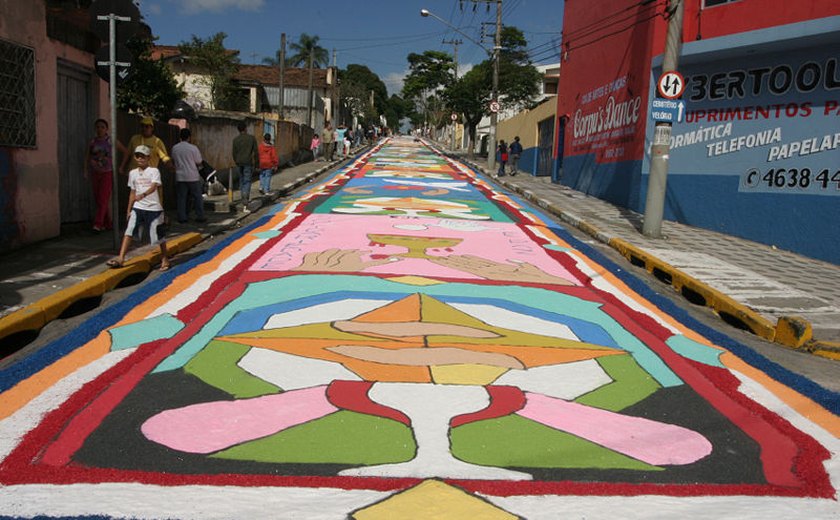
[(311, 73), (494, 116), (282, 99), (494, 97), (658, 177), (336, 90), (455, 44)]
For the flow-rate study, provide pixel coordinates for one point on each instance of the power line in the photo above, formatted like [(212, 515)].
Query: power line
[(605, 36), (643, 3)]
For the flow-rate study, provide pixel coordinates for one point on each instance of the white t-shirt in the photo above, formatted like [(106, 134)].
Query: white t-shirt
[(186, 157), (141, 181)]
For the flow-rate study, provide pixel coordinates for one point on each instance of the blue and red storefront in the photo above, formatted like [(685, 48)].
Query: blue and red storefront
[(757, 152)]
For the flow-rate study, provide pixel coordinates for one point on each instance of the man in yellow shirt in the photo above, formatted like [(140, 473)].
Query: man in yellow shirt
[(148, 138)]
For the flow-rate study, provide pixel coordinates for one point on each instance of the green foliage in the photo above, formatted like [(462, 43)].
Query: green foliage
[(519, 81), (429, 73), (396, 109), (150, 89), (210, 56), (357, 84), (300, 52)]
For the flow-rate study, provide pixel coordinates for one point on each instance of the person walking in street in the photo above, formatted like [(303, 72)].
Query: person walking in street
[(188, 181), (268, 163), (158, 156), (327, 142), (245, 155), (339, 139), (502, 155), (99, 168), (144, 208), (515, 153), (315, 146)]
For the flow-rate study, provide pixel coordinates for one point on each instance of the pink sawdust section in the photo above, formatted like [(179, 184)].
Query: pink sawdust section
[(649, 441), (393, 237), (206, 427)]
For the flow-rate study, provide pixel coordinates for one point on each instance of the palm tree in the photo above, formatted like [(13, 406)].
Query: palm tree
[(301, 50)]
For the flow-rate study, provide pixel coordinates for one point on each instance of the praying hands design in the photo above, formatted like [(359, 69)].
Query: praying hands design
[(339, 260), (517, 271)]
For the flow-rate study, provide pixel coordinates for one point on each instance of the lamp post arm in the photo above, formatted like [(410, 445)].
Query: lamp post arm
[(426, 12)]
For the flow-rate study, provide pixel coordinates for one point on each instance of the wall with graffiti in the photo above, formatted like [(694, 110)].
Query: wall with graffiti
[(756, 150)]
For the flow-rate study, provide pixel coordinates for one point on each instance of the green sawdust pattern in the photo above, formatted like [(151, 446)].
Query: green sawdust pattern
[(340, 438), (217, 366), (630, 385), (516, 442)]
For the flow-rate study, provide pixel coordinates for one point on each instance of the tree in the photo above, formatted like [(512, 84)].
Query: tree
[(301, 51), (210, 56), (519, 81), (428, 73), (151, 88), (396, 109), (363, 92)]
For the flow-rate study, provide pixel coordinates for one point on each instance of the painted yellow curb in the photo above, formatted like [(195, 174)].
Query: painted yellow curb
[(34, 316), (721, 303), (826, 349)]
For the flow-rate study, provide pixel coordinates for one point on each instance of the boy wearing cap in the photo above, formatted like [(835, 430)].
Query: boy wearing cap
[(144, 208)]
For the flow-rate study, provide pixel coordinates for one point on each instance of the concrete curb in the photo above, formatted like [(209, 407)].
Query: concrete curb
[(790, 331), (35, 316)]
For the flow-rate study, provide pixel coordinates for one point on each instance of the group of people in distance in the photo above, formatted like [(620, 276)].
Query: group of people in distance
[(141, 162), (511, 154)]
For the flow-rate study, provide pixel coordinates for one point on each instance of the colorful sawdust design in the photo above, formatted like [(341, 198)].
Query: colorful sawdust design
[(407, 339)]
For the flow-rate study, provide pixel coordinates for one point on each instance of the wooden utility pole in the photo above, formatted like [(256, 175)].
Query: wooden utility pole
[(455, 44), (281, 101), (311, 74)]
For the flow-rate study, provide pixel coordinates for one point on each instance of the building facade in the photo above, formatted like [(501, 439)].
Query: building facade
[(755, 149), (50, 96)]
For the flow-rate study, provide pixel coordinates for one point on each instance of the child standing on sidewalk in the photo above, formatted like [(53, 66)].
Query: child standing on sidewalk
[(144, 207), (268, 163)]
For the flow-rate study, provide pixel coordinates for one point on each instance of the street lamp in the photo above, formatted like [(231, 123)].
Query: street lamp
[(426, 13), (494, 54)]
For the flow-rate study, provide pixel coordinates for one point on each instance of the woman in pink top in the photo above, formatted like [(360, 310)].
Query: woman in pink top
[(99, 167)]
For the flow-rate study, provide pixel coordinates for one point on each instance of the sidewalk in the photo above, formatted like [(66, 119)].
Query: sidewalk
[(750, 285), (42, 280)]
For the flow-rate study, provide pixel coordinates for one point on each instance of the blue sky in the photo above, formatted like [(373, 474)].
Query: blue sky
[(376, 33)]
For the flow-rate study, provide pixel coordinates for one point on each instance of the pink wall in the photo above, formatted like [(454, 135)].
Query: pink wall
[(37, 211)]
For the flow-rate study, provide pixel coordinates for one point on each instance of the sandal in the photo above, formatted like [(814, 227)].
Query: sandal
[(164, 267), (114, 263)]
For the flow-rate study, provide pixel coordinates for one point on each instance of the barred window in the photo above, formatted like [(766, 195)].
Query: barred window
[(17, 95)]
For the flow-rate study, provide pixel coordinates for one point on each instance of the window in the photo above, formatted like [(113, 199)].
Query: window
[(17, 95), (713, 3)]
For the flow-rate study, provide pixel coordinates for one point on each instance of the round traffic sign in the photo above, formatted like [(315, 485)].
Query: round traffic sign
[(454, 116), (494, 106), (671, 85)]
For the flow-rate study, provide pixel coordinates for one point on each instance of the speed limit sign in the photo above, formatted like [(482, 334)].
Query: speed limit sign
[(494, 106), (671, 85)]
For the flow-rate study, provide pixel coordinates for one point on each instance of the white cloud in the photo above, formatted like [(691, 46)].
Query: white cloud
[(394, 81), (201, 6)]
